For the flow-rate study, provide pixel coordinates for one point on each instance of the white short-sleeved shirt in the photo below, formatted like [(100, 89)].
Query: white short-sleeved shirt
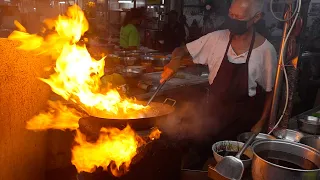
[(210, 49)]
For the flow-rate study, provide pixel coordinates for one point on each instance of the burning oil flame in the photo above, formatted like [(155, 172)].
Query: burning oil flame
[(77, 79), (113, 145), (77, 75), (59, 116), (155, 134)]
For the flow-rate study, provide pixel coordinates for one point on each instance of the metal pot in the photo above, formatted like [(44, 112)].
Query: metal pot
[(231, 146), (288, 135), (121, 53), (312, 141), (133, 71), (161, 61), (128, 61), (268, 154), (311, 127), (245, 136)]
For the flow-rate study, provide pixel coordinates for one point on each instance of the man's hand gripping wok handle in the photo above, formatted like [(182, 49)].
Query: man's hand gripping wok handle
[(173, 66)]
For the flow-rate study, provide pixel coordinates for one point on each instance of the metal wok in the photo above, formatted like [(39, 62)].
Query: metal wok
[(91, 125)]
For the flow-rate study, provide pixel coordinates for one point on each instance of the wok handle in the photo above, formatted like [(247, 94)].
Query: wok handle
[(169, 99)]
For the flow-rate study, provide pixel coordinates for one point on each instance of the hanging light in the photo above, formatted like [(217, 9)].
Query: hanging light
[(125, 1)]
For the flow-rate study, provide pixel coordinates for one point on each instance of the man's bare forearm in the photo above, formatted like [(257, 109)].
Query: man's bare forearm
[(179, 53), (267, 105), (175, 62)]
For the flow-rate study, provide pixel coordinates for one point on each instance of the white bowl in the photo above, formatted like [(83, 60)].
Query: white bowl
[(232, 146)]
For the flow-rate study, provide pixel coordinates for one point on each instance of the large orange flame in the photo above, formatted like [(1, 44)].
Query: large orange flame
[(59, 116), (77, 79), (113, 146), (77, 75)]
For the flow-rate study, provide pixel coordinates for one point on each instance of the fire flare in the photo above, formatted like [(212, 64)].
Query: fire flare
[(155, 134), (59, 116), (113, 146), (77, 75), (77, 79)]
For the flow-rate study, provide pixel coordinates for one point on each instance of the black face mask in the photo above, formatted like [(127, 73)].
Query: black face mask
[(236, 26)]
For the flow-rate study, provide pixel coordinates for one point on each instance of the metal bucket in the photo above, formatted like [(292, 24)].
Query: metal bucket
[(277, 160), (231, 146)]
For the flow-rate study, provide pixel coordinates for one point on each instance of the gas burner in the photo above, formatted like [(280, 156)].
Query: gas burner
[(157, 160)]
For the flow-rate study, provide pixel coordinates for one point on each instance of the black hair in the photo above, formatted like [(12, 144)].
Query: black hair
[(134, 13)]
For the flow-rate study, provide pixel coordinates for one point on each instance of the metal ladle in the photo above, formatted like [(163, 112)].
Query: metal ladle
[(232, 167)]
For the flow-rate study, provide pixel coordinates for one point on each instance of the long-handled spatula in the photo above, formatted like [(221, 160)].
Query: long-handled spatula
[(156, 92)]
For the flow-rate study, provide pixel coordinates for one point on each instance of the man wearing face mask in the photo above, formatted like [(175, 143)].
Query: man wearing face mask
[(242, 66)]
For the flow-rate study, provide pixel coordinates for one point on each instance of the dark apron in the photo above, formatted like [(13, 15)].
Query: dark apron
[(229, 110), (229, 103)]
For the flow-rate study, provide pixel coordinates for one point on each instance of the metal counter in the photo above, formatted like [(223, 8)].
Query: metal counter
[(173, 85)]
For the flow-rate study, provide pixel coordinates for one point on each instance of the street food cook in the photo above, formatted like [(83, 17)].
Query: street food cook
[(242, 66)]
